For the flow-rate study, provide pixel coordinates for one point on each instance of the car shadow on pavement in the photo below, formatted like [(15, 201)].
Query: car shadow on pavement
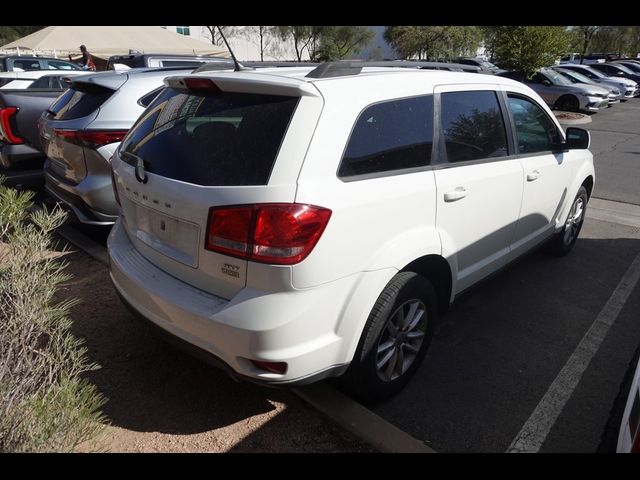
[(151, 385), (501, 345)]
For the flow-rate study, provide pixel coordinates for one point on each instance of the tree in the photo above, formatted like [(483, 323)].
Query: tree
[(304, 37), (433, 42), (216, 38), (337, 43), (9, 34), (263, 32), (586, 33), (528, 48)]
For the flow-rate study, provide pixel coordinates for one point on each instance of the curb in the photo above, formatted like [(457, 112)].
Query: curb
[(577, 121)]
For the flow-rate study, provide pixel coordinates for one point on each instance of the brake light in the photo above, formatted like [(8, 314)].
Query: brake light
[(91, 138), (279, 233), (272, 367), (6, 130), (197, 83)]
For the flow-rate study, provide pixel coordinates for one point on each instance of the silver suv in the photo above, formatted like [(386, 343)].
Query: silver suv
[(82, 129)]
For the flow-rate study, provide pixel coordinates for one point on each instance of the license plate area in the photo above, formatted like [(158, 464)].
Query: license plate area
[(175, 238)]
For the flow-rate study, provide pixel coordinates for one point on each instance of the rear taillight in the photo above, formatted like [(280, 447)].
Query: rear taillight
[(278, 233), (7, 133), (196, 83), (91, 138)]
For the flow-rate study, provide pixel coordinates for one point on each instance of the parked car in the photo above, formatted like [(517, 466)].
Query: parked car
[(80, 131), (629, 433), (562, 94), (627, 87), (36, 79), (632, 65), (290, 225), (617, 70), (19, 139), (22, 63), (576, 77), (485, 65), (159, 60)]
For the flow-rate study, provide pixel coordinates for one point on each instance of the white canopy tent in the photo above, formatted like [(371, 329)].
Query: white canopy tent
[(104, 41)]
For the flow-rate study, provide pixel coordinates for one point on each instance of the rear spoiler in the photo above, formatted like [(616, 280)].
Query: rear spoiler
[(243, 82)]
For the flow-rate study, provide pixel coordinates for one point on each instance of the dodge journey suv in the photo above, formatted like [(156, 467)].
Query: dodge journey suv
[(300, 223)]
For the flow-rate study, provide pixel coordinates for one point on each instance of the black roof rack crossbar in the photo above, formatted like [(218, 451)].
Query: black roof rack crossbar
[(354, 67)]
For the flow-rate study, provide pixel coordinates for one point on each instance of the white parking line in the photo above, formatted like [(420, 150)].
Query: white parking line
[(536, 429)]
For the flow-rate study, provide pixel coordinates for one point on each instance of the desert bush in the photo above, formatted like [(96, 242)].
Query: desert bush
[(46, 405)]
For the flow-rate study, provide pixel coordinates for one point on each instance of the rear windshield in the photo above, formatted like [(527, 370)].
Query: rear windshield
[(80, 101), (208, 139)]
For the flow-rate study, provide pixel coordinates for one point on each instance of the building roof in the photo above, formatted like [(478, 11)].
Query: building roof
[(104, 41)]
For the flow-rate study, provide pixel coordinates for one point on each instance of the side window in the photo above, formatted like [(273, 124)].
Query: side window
[(390, 136), (535, 131), (58, 65), (472, 126), (27, 65), (42, 82), (146, 99)]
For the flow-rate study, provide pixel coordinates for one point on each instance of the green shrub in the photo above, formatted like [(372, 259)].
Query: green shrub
[(45, 403)]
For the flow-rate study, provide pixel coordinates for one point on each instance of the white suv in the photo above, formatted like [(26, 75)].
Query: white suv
[(293, 224)]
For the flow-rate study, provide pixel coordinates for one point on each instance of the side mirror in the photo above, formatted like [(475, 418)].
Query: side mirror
[(578, 138)]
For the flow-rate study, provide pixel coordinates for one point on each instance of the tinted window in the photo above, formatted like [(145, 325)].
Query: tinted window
[(208, 139), (180, 63), (145, 100), (80, 101), (535, 131), (472, 126), (390, 136), (60, 65), (48, 81), (26, 64)]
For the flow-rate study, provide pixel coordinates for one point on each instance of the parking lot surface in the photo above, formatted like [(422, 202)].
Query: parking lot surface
[(501, 347)]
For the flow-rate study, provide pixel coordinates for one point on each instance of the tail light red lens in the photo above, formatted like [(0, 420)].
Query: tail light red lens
[(91, 138), (198, 83), (6, 130), (228, 230), (280, 233)]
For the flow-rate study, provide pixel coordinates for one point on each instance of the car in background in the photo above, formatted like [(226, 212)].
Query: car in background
[(630, 64), (161, 60), (485, 65), (21, 63), (617, 70), (574, 58), (575, 77), (82, 128), (37, 79), (627, 87), (562, 94)]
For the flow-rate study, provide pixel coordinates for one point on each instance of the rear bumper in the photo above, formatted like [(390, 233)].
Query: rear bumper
[(91, 200), (20, 157), (297, 327)]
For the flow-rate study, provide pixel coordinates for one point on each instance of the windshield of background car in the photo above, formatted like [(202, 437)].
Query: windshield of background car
[(556, 78), (210, 138), (577, 76)]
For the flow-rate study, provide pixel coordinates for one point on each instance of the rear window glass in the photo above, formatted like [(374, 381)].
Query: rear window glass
[(221, 138), (80, 101), (389, 136)]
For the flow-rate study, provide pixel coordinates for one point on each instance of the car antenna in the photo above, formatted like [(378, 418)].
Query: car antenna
[(237, 66)]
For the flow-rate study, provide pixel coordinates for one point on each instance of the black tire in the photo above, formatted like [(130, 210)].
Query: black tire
[(568, 103), (404, 291), (562, 242)]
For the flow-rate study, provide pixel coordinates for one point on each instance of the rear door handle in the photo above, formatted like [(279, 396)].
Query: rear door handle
[(534, 175), (456, 194)]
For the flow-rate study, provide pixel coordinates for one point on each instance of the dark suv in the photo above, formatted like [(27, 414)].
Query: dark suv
[(10, 63)]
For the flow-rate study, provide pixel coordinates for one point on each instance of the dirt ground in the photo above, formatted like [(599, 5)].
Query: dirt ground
[(162, 400)]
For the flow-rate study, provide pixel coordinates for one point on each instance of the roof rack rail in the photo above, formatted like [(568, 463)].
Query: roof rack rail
[(354, 67)]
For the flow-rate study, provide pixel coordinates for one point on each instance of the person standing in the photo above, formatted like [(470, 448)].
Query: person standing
[(87, 59)]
